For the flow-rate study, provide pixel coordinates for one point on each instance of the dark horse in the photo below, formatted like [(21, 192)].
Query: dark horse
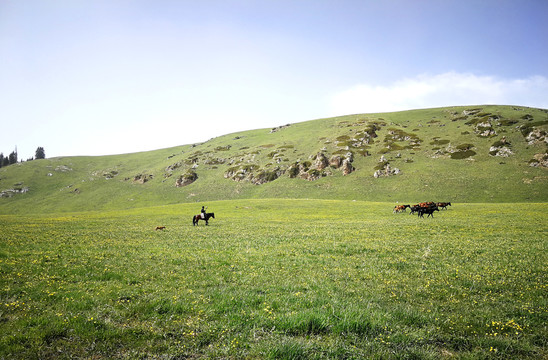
[(199, 217)]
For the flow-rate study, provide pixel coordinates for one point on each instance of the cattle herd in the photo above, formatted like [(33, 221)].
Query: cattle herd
[(422, 208)]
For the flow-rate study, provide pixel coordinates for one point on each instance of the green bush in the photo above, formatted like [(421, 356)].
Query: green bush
[(459, 155)]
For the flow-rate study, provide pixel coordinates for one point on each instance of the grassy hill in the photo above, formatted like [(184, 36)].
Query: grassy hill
[(458, 154)]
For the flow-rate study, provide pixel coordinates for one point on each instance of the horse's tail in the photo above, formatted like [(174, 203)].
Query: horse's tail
[(194, 220)]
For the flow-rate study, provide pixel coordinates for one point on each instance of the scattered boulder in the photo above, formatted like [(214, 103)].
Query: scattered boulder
[(63, 168), (335, 161), (10, 192), (186, 179), (265, 176), (343, 163), (501, 148), (313, 174), (470, 112), (241, 173), (276, 129), (253, 174), (349, 156), (107, 174), (347, 167), (303, 170), (485, 129), (501, 151), (539, 160), (536, 135), (321, 161), (386, 170), (173, 167), (142, 178)]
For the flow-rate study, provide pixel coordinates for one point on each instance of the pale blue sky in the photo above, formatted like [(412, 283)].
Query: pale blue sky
[(107, 77)]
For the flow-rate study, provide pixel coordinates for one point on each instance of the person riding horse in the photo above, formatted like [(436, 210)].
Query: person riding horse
[(203, 215)]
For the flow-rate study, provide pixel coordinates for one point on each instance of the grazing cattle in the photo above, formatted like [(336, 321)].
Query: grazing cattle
[(429, 211), (400, 208), (160, 228), (444, 205)]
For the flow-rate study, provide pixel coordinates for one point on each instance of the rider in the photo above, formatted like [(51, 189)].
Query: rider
[(203, 212)]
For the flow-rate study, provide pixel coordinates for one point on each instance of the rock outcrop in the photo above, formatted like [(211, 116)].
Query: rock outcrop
[(186, 179), (384, 169), (316, 167), (540, 160), (142, 178), (501, 148), (10, 192), (536, 135)]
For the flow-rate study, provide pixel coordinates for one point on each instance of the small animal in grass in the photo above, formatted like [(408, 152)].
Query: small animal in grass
[(160, 228)]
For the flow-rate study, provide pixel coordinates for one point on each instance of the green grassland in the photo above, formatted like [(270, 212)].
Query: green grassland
[(302, 261), (443, 154), (276, 279)]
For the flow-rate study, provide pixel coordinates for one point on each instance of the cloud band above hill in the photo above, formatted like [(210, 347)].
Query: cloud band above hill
[(447, 89)]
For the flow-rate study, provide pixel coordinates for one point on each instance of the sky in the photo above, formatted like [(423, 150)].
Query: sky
[(80, 77)]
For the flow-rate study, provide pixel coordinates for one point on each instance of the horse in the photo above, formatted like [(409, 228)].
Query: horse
[(400, 208), (444, 205), (429, 211), (206, 218), (414, 209)]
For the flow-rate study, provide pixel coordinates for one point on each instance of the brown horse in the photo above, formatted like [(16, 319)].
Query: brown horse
[(400, 208)]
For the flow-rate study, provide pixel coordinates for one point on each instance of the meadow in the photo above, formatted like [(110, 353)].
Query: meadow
[(276, 279)]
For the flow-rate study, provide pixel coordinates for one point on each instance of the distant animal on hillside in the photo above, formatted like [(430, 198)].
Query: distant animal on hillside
[(444, 205), (206, 218), (160, 228)]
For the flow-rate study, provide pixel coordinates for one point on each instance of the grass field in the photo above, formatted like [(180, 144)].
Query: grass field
[(276, 279)]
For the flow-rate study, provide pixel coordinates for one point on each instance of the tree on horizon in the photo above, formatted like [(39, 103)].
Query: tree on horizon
[(40, 153), (13, 157)]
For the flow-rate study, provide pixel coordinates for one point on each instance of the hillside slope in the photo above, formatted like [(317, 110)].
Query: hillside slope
[(458, 154)]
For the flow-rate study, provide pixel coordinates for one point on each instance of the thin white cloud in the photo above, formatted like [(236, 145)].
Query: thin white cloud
[(447, 89)]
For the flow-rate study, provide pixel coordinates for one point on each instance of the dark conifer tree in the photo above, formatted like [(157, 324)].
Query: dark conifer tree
[(13, 157), (40, 153)]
